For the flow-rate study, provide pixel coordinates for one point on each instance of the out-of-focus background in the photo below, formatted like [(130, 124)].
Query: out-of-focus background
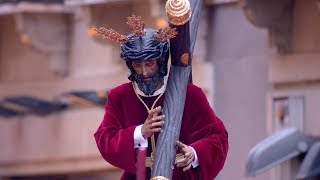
[(258, 62)]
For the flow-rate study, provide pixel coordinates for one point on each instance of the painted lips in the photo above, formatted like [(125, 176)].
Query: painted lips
[(146, 78)]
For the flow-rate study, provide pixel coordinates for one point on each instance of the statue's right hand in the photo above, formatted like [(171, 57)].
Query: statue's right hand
[(153, 123)]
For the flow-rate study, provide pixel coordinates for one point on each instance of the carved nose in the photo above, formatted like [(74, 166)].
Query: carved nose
[(144, 71)]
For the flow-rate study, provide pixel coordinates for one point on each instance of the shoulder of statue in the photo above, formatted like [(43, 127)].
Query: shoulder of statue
[(121, 90), (191, 88), (194, 92)]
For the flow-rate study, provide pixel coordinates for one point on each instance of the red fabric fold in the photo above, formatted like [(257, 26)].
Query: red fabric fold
[(200, 129)]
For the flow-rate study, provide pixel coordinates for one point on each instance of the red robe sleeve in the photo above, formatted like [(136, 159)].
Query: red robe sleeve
[(114, 140), (209, 137)]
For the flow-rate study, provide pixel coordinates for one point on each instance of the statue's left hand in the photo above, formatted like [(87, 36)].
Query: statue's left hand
[(188, 156)]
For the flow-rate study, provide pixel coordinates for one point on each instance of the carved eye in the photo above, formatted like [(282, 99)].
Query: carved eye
[(151, 63), (137, 64)]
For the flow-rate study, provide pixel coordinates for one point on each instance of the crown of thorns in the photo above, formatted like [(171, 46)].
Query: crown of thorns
[(137, 26)]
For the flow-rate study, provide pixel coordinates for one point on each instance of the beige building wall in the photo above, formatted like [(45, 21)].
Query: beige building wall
[(297, 74), (18, 62)]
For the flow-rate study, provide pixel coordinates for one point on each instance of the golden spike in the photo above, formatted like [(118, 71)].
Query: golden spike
[(112, 35), (136, 24), (165, 34)]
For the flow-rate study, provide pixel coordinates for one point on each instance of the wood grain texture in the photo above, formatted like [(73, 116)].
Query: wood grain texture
[(173, 110), (180, 76)]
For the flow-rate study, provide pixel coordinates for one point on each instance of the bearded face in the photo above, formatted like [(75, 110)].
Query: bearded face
[(147, 75), (148, 84)]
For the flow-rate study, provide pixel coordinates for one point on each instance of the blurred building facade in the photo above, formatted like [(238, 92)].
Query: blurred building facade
[(248, 56), (292, 97)]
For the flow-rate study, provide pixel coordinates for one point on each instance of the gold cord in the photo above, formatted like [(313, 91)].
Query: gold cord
[(153, 144)]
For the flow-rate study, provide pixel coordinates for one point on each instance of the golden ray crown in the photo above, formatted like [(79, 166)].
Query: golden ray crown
[(137, 27)]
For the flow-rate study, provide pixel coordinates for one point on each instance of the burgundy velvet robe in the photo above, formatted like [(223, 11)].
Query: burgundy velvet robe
[(200, 128)]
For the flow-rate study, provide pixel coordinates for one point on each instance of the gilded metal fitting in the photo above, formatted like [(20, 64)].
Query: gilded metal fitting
[(178, 11), (159, 178)]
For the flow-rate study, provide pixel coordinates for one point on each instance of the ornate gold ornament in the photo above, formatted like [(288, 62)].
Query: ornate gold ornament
[(137, 26), (159, 178), (111, 34), (150, 160), (178, 11), (166, 33)]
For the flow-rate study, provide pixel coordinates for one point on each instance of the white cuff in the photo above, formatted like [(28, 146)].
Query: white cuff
[(195, 162), (139, 140)]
